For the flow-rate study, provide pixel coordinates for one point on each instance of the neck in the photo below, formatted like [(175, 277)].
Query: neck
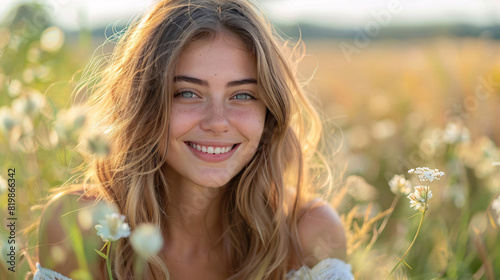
[(195, 223)]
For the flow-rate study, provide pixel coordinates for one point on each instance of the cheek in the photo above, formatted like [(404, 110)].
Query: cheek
[(250, 122), (182, 119), (180, 122)]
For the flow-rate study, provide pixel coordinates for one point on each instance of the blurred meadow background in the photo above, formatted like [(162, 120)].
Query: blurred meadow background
[(399, 84)]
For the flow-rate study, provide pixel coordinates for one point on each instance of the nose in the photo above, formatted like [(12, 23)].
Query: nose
[(215, 119)]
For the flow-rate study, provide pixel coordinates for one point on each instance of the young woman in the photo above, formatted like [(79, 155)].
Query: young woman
[(210, 136)]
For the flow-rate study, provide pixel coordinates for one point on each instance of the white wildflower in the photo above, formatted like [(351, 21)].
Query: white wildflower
[(96, 144), (24, 129), (425, 174), (101, 209), (15, 88), (455, 132), (87, 217), (359, 189), (30, 105), (112, 227), (496, 206), (146, 240), (7, 119), (383, 129), (399, 185), (69, 122), (52, 39), (420, 197), (3, 185)]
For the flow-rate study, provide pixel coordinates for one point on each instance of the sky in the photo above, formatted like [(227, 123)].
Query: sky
[(71, 14)]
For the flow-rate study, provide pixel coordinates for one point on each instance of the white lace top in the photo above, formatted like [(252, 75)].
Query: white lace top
[(327, 269), (47, 274)]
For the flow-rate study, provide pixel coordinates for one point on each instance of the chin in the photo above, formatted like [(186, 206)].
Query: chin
[(211, 185), (214, 180), (217, 183)]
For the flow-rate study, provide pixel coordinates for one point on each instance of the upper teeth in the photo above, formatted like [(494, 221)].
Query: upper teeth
[(210, 149)]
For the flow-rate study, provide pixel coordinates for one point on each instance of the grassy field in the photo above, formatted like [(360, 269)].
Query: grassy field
[(403, 104), (389, 107)]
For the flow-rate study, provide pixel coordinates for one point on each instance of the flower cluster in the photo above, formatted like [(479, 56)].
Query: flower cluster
[(427, 175), (146, 238), (399, 185), (422, 194), (420, 197), (112, 228)]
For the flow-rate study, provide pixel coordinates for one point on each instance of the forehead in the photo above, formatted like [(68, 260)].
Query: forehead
[(224, 54)]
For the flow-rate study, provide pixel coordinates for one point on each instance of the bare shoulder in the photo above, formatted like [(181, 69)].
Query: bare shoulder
[(67, 236), (321, 233)]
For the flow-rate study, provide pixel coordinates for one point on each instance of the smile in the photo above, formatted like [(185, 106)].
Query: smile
[(212, 152), (216, 150)]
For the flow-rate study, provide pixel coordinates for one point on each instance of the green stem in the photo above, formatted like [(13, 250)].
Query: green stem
[(108, 262), (411, 245)]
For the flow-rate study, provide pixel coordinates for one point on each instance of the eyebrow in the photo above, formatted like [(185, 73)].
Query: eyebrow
[(205, 83)]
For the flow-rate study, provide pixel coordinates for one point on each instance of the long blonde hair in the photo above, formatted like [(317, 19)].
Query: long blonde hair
[(131, 103)]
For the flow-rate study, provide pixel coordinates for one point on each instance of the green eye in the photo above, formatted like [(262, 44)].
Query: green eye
[(185, 94), (242, 96)]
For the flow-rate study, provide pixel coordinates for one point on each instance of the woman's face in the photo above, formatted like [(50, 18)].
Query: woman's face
[(217, 115)]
